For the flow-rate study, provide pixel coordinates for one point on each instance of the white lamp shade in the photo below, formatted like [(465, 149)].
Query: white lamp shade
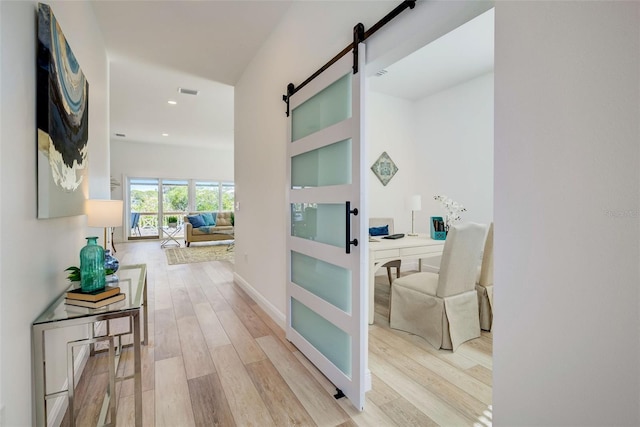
[(416, 202), (104, 213)]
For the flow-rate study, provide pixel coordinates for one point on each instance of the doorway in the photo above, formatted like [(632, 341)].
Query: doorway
[(432, 113)]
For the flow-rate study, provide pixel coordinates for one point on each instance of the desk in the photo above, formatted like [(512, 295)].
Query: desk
[(168, 234), (408, 247), (133, 283)]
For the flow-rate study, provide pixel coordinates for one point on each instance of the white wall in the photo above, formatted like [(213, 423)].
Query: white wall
[(453, 149), (442, 144), (390, 128), (142, 160), (566, 341), (169, 161), (35, 252)]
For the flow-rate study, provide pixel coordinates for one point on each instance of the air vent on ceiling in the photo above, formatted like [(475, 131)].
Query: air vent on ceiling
[(187, 91), (381, 72), (121, 135)]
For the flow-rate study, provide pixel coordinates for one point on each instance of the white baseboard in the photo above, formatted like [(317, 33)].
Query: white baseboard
[(269, 308), (61, 404)]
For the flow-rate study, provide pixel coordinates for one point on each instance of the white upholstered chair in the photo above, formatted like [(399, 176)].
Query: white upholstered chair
[(443, 308), (484, 287), (380, 222)]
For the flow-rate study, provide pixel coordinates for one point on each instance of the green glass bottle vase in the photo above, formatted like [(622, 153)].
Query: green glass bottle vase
[(92, 277)]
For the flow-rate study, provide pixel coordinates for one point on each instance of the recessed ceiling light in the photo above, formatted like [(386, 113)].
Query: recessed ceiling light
[(165, 134), (172, 102), (187, 91)]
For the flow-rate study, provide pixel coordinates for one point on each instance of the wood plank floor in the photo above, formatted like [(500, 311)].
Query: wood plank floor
[(214, 358)]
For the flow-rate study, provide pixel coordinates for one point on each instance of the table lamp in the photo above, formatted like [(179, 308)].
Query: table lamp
[(416, 205), (104, 213)]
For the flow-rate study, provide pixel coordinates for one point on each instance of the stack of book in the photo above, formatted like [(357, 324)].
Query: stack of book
[(96, 299)]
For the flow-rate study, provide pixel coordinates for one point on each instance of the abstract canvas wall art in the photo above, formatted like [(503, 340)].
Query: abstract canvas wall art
[(62, 120)]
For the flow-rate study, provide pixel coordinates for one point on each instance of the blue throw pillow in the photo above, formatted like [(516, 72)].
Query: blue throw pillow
[(208, 218), (196, 220), (379, 231)]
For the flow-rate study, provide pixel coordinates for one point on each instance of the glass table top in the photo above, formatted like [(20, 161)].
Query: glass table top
[(131, 280)]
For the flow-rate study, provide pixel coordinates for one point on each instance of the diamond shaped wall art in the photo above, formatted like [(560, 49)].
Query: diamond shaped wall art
[(384, 168)]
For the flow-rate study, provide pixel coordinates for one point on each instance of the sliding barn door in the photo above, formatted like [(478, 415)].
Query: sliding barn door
[(326, 305)]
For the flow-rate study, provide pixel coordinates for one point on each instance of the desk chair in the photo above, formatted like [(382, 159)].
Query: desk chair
[(380, 222), (443, 308)]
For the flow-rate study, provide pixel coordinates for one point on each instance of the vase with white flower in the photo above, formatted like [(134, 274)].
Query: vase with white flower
[(453, 210)]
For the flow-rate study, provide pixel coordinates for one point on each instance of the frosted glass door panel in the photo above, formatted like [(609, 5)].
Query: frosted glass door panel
[(326, 313), (328, 107), (330, 282), (323, 223), (332, 341), (329, 165)]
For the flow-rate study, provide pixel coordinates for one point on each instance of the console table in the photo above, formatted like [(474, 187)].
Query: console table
[(409, 247), (133, 283)]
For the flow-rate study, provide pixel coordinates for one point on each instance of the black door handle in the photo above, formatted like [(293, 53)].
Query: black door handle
[(348, 212)]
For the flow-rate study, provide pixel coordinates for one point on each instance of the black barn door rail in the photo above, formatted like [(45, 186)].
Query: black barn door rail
[(359, 35)]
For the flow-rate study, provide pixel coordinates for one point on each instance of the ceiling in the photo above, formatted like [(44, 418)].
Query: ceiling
[(156, 47), (454, 58)]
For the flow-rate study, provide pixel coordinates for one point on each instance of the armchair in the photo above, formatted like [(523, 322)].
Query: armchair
[(484, 287)]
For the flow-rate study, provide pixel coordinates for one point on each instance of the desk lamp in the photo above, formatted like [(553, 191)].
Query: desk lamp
[(416, 205)]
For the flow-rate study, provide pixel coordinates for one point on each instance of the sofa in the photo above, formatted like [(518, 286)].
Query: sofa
[(208, 226)]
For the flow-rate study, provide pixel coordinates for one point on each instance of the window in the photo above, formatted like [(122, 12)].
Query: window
[(153, 200), (227, 189), (144, 207), (214, 196), (175, 199), (207, 196)]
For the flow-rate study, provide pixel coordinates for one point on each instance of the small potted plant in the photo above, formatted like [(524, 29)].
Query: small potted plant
[(172, 221), (74, 273)]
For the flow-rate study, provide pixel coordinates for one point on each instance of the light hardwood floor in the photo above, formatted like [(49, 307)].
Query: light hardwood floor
[(215, 358)]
